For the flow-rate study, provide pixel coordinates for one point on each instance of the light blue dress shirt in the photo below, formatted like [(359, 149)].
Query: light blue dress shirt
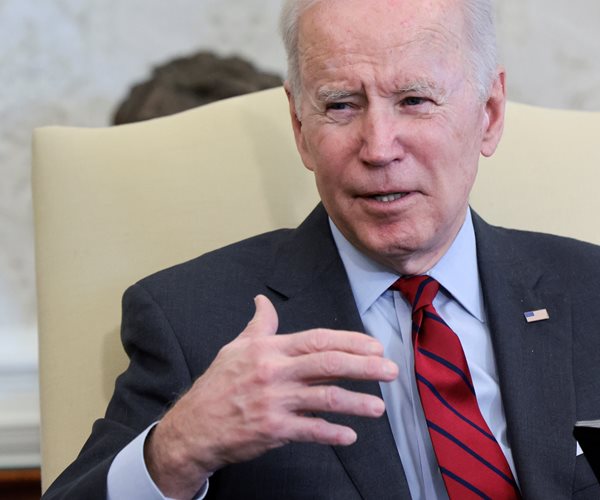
[(129, 479), (386, 315)]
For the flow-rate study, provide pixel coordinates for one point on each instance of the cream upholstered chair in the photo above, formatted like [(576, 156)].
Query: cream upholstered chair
[(543, 176), (112, 205)]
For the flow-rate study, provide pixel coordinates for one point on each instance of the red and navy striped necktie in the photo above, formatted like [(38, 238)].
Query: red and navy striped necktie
[(470, 459)]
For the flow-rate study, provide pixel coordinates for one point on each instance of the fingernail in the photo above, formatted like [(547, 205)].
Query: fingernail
[(390, 368), (348, 436), (377, 407), (375, 348)]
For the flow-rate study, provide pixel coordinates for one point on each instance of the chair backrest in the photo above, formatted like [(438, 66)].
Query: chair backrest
[(114, 204), (543, 176)]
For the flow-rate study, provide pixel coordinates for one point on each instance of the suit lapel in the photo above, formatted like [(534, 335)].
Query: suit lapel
[(309, 277), (534, 360)]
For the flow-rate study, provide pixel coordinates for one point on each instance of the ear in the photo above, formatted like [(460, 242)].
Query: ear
[(297, 127), (494, 115)]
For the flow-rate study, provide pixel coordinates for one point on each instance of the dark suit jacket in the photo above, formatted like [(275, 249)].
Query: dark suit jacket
[(175, 321)]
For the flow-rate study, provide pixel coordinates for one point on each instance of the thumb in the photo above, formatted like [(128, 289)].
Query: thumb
[(265, 320)]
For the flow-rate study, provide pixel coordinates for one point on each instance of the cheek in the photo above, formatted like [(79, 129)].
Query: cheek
[(468, 155), (306, 152), (446, 165), (327, 152)]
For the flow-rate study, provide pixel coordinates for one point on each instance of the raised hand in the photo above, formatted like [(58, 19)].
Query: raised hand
[(255, 396)]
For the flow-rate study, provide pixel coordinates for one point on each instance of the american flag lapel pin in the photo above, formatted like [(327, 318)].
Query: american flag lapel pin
[(538, 315)]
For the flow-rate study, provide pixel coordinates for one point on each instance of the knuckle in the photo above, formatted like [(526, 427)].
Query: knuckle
[(331, 363), (318, 340), (331, 396), (265, 372), (272, 426), (315, 431)]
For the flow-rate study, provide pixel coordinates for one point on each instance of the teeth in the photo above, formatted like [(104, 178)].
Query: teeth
[(389, 197)]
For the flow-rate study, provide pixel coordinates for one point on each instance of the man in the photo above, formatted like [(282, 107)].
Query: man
[(392, 102)]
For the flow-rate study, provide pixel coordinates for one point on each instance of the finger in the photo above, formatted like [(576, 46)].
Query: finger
[(334, 365), (265, 320), (334, 399), (318, 430), (321, 340)]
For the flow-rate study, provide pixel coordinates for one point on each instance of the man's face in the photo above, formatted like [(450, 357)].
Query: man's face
[(391, 124)]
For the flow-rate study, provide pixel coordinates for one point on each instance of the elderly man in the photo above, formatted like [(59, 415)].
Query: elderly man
[(452, 393)]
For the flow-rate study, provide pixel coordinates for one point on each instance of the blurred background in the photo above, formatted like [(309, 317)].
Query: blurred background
[(72, 62)]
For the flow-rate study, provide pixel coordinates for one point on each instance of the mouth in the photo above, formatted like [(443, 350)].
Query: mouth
[(388, 198)]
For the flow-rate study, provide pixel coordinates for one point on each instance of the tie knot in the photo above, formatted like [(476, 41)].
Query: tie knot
[(418, 290)]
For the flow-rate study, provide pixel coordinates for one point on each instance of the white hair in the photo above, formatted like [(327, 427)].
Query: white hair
[(289, 27), (481, 37), (480, 33)]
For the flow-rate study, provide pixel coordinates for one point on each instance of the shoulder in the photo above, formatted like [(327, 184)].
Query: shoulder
[(232, 265), (546, 252), (550, 249), (205, 302), (247, 264), (553, 243)]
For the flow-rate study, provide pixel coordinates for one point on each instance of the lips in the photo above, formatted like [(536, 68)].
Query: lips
[(389, 197)]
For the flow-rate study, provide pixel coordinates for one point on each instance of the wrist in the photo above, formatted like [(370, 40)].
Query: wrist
[(169, 464)]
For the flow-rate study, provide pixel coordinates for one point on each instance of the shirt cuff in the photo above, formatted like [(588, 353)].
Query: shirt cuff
[(129, 479)]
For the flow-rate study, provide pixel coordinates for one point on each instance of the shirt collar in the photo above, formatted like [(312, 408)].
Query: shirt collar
[(456, 271)]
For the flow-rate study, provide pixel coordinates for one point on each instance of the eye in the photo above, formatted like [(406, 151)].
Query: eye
[(338, 106), (413, 101), (341, 111)]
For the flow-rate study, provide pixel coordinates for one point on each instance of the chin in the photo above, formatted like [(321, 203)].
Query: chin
[(388, 250), (404, 252)]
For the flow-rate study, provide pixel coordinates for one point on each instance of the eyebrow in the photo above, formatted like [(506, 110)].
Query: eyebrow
[(420, 86), (329, 95)]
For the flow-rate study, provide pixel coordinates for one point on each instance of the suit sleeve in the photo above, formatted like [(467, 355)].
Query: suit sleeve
[(156, 376)]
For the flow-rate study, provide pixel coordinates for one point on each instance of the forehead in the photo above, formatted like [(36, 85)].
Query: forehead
[(347, 33)]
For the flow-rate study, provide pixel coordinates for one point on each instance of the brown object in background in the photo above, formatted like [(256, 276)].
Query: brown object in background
[(189, 82), (20, 484)]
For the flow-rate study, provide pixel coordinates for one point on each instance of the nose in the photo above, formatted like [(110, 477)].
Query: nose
[(381, 142)]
